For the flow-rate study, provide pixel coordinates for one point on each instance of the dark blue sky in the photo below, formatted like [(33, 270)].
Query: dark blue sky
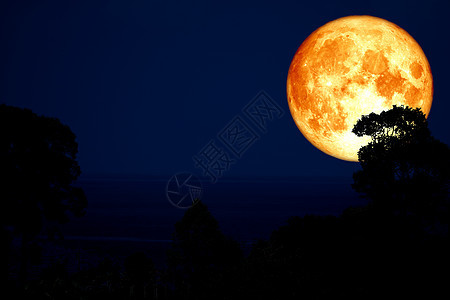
[(146, 84)]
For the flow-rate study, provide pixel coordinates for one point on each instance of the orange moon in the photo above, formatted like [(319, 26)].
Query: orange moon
[(351, 67)]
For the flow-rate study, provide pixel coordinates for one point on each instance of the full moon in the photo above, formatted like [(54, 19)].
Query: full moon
[(351, 67)]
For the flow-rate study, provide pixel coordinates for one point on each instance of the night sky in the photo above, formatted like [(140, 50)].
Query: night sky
[(145, 85)]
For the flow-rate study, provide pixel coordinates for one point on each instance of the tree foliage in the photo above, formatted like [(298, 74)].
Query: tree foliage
[(202, 262), (404, 169), (38, 165)]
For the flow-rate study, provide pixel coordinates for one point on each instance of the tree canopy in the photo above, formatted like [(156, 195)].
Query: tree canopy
[(38, 166), (202, 260), (404, 169)]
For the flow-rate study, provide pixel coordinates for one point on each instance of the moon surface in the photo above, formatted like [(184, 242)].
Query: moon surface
[(351, 67)]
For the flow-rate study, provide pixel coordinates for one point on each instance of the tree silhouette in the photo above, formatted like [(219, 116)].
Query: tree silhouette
[(300, 260), (140, 272), (202, 262), (38, 166), (404, 169)]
